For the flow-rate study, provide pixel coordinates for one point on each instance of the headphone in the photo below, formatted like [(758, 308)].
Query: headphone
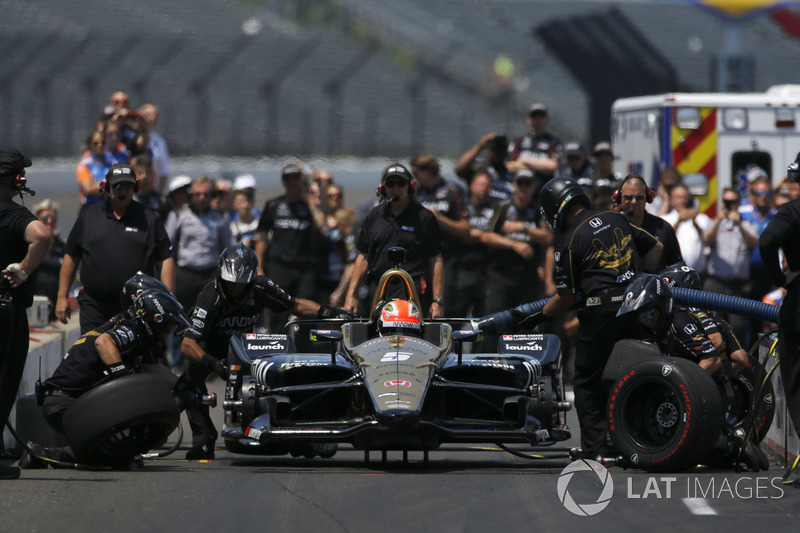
[(105, 185), (413, 186), (20, 184), (650, 194)]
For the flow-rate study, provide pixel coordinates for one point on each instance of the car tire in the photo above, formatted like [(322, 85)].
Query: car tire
[(665, 414), (118, 420), (746, 385)]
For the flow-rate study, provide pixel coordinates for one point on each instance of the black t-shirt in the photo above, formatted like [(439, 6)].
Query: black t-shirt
[(82, 368), (599, 251), (781, 233), (688, 335), (664, 232), (14, 219), (415, 229), (479, 217), (110, 251), (295, 238), (544, 146), (445, 199), (216, 320), (505, 263)]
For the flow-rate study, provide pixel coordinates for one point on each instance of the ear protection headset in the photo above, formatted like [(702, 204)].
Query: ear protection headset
[(650, 193), (392, 170), (105, 185)]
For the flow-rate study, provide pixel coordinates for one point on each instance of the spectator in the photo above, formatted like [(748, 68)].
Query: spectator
[(731, 241), (690, 227), (223, 197), (603, 161), (578, 165), (111, 241), (92, 168), (759, 212), (400, 221), (496, 147), (157, 148), (147, 194), (115, 150), (445, 201), (290, 243), (632, 197), (539, 149), (470, 272), (669, 178), (245, 226), (247, 184), (178, 192), (117, 100), (44, 279), (521, 272)]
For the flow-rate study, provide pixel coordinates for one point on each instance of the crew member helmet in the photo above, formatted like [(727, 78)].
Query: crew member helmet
[(399, 317), (648, 292), (557, 197), (136, 285), (681, 275), (157, 311), (237, 264)]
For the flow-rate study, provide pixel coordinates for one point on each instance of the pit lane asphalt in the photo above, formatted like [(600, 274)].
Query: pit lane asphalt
[(463, 488)]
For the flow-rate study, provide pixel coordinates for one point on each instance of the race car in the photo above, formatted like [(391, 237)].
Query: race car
[(393, 382)]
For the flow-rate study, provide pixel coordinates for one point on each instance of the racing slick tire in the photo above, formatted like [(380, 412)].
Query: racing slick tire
[(751, 402), (665, 414), (111, 424)]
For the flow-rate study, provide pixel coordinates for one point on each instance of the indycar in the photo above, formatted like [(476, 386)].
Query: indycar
[(324, 383)]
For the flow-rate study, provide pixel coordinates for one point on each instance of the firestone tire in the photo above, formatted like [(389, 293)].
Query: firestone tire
[(665, 414), (118, 420), (746, 385)]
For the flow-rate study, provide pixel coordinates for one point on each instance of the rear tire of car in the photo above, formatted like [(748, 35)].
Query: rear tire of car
[(753, 406), (118, 420), (665, 414)]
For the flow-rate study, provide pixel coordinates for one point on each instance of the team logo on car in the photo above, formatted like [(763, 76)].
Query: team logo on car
[(666, 370), (397, 383)]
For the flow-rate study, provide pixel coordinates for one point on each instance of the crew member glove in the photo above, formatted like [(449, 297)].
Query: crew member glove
[(217, 366), (116, 370), (326, 311)]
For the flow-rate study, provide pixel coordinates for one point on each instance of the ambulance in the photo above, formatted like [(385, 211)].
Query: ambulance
[(712, 138)]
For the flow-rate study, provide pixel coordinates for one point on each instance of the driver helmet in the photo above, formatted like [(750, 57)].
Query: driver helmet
[(681, 275), (557, 197), (399, 317), (647, 293), (157, 311), (135, 286), (237, 264)]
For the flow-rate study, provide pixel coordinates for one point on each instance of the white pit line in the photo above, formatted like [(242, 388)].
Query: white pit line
[(699, 506)]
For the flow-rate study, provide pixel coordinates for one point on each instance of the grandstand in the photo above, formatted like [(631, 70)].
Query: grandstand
[(355, 77)]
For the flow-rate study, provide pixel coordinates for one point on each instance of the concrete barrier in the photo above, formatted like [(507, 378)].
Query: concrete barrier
[(48, 346)]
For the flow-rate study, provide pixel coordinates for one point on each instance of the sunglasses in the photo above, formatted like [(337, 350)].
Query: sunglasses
[(123, 186), (48, 218), (632, 197), (761, 193), (395, 183), (644, 317)]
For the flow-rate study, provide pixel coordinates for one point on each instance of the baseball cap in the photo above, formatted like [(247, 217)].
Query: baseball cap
[(12, 162), (179, 182), (292, 169), (601, 147), (398, 170), (755, 172), (573, 149), (120, 173), (245, 181), (537, 108)]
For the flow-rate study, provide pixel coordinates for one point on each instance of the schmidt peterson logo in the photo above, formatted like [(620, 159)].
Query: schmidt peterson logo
[(585, 509)]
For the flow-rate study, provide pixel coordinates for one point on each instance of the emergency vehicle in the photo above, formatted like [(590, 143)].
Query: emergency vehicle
[(712, 138)]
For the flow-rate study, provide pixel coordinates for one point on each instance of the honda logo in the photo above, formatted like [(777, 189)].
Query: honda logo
[(595, 223)]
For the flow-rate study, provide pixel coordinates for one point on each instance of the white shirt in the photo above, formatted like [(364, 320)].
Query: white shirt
[(691, 238)]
